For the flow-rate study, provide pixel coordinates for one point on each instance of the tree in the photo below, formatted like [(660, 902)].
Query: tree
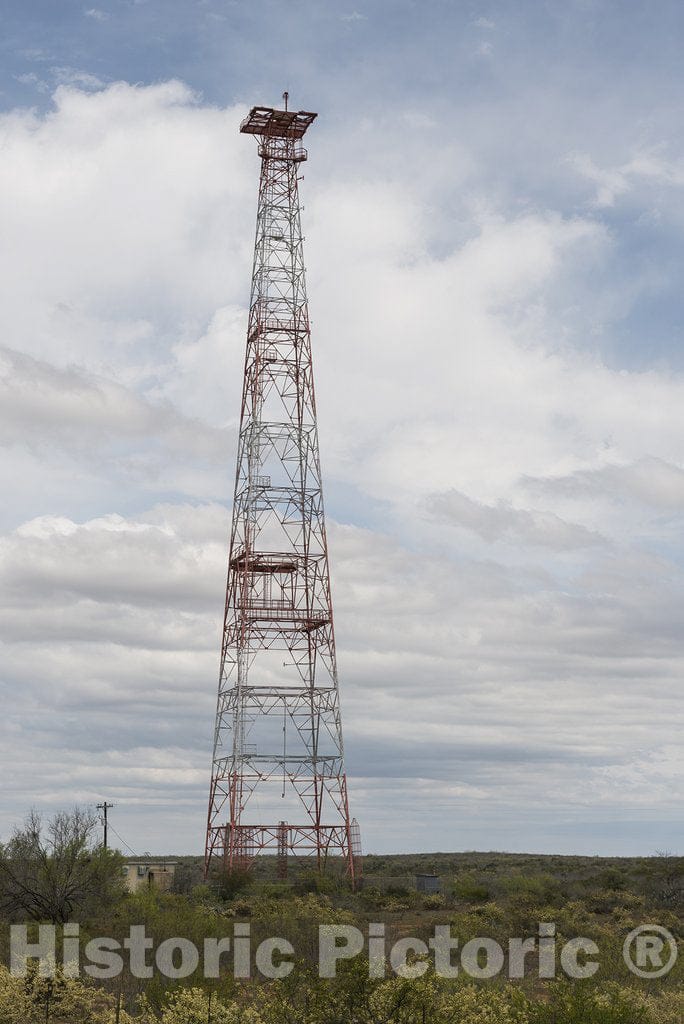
[(56, 872)]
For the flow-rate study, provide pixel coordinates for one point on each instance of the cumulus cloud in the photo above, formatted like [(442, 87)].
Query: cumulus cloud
[(649, 481), (442, 669), (503, 656), (72, 76), (46, 405), (100, 560), (613, 182), (501, 521), (122, 221)]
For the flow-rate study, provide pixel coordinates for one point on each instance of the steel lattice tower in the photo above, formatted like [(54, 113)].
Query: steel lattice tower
[(278, 780)]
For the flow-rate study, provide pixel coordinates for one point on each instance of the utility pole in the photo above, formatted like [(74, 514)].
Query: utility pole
[(48, 997), (278, 780), (104, 807)]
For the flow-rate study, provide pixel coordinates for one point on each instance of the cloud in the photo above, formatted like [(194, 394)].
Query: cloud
[(74, 77), (31, 78), (109, 202), (44, 405), (501, 521), (441, 691), (100, 560), (618, 181), (649, 481), (531, 619)]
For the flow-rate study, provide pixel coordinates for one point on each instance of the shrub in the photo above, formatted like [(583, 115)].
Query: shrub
[(604, 901), (241, 907), (191, 1006), (433, 901), (470, 889), (581, 1004), (315, 882), (234, 882), (60, 1000), (539, 888)]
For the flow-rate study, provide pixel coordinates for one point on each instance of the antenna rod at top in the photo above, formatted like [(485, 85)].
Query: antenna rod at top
[(286, 97)]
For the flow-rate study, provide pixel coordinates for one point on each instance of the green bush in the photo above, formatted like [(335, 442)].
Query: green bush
[(583, 1004), (470, 889), (541, 888), (605, 901), (433, 901), (233, 882)]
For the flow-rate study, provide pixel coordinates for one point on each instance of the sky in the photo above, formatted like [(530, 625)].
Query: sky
[(494, 221)]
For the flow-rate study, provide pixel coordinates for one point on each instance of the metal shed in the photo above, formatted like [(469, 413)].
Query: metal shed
[(428, 883)]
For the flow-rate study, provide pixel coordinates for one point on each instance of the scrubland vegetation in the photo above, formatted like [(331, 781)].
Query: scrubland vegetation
[(482, 895)]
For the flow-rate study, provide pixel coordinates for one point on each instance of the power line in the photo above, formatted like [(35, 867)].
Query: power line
[(132, 852)]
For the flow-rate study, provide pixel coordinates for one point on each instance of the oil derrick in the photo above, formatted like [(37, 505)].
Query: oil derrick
[(278, 781)]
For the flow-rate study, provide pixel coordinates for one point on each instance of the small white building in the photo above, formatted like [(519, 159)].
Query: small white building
[(142, 871)]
